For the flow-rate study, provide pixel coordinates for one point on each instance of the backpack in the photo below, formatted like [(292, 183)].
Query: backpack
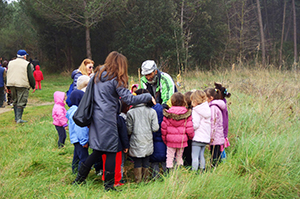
[(68, 93)]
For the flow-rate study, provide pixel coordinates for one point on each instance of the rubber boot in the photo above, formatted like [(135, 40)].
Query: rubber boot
[(145, 174), (19, 115), (15, 111), (138, 175), (82, 174), (109, 181)]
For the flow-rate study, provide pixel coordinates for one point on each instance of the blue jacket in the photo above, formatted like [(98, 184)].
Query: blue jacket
[(1, 76), (123, 135), (160, 149), (75, 74), (77, 133)]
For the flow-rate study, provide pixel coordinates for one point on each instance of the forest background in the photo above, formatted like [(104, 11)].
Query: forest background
[(179, 35)]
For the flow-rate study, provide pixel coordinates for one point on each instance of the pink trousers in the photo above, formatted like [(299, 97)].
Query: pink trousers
[(171, 154)]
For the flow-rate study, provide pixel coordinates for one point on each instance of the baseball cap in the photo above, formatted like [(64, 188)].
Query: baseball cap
[(148, 67), (22, 52)]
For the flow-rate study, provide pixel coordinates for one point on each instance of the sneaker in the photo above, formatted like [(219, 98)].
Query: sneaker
[(118, 184), (99, 173)]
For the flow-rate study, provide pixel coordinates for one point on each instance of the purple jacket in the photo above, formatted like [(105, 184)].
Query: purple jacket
[(217, 130), (225, 119), (59, 111), (177, 127)]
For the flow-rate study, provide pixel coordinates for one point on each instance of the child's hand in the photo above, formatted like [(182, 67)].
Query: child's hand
[(125, 150), (211, 140), (86, 145), (153, 100)]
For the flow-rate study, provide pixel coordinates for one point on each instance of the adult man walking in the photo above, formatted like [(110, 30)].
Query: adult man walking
[(159, 84), (3, 88), (20, 79)]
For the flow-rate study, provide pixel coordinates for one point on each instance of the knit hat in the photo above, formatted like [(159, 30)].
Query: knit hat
[(148, 67), (76, 97)]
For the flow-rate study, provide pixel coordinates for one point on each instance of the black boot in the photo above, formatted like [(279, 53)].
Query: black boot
[(19, 115), (82, 174), (109, 181), (15, 111)]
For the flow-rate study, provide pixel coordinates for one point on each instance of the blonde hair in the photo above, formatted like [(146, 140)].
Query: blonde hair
[(198, 97), (82, 67)]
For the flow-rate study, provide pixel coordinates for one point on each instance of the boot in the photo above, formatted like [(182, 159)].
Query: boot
[(82, 174), (145, 174), (15, 111), (109, 181), (138, 175), (19, 115)]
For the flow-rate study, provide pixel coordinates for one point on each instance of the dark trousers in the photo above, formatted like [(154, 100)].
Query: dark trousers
[(215, 154), (141, 162), (61, 136), (109, 163), (1, 96), (187, 157), (80, 155)]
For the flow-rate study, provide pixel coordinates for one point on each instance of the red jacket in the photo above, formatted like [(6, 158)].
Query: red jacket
[(177, 127), (37, 74)]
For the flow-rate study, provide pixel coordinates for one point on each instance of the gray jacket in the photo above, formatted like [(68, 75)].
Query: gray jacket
[(103, 129), (141, 122)]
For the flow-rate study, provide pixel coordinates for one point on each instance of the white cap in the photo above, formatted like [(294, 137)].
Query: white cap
[(148, 67)]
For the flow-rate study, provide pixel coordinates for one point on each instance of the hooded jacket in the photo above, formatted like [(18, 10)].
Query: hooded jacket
[(75, 74), (37, 74), (59, 111), (103, 129), (217, 131), (141, 122), (201, 115), (177, 127), (225, 119)]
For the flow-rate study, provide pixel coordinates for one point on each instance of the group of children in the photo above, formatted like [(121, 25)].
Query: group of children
[(154, 136)]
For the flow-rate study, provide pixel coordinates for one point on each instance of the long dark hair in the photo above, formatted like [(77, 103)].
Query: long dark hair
[(141, 91)]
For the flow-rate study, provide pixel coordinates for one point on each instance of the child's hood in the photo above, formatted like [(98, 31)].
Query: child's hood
[(134, 85), (74, 73), (37, 67), (203, 110), (220, 103), (177, 113), (59, 97)]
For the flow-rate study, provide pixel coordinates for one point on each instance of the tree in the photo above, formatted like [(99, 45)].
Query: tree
[(295, 33), (282, 35), (262, 36)]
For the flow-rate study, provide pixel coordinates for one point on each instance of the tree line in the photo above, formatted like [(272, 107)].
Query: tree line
[(177, 34)]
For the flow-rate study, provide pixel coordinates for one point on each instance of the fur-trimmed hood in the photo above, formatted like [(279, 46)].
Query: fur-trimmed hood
[(177, 113)]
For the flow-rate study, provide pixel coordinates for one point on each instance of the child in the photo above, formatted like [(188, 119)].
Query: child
[(79, 136), (187, 157), (141, 122), (201, 115), (59, 116), (224, 93), (217, 135), (38, 76), (176, 129), (160, 149), (134, 87)]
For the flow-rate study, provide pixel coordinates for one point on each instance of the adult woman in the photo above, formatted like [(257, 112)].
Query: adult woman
[(110, 83), (86, 68)]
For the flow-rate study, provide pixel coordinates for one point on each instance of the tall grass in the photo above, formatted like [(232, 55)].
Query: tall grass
[(262, 161)]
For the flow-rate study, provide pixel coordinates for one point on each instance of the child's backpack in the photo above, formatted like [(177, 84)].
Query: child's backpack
[(68, 93)]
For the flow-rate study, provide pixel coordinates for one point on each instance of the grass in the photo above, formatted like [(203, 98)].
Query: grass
[(262, 161)]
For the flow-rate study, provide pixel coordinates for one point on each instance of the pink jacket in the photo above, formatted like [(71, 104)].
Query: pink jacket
[(217, 133), (59, 111), (201, 115), (177, 127)]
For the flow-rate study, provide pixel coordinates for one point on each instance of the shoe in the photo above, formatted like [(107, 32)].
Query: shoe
[(109, 181), (118, 184), (138, 175), (82, 174), (99, 173), (19, 112)]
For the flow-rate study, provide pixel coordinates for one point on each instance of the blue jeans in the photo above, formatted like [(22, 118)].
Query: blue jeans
[(198, 149), (80, 155)]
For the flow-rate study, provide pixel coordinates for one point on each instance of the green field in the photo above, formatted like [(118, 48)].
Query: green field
[(263, 159)]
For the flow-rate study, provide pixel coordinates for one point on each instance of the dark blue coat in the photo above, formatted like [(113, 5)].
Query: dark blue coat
[(123, 135), (160, 149), (103, 129)]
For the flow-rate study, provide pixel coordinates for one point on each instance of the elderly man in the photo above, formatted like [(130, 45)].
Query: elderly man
[(20, 79), (159, 84)]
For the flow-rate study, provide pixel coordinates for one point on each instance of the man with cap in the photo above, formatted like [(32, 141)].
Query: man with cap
[(159, 84), (20, 79)]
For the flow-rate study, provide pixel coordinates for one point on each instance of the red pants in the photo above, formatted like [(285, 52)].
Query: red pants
[(38, 84), (118, 175)]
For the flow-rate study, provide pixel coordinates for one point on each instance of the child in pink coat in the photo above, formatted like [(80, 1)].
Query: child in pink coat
[(217, 132), (59, 117), (176, 129)]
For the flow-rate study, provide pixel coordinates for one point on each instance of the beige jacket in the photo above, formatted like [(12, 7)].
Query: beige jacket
[(17, 73)]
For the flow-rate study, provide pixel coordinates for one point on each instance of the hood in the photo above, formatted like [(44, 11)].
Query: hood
[(177, 113), (134, 85), (76, 97), (37, 67), (74, 73), (220, 103), (59, 97), (203, 110)]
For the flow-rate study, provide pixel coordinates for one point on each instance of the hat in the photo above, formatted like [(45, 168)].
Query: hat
[(22, 52), (76, 97), (148, 67)]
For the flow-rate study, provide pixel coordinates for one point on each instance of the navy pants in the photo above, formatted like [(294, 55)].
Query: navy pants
[(80, 155), (61, 136), (141, 162), (215, 154)]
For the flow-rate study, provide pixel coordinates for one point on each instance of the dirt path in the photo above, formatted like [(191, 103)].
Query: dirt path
[(29, 104)]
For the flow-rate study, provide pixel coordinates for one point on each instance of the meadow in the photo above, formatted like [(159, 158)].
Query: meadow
[(263, 160)]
